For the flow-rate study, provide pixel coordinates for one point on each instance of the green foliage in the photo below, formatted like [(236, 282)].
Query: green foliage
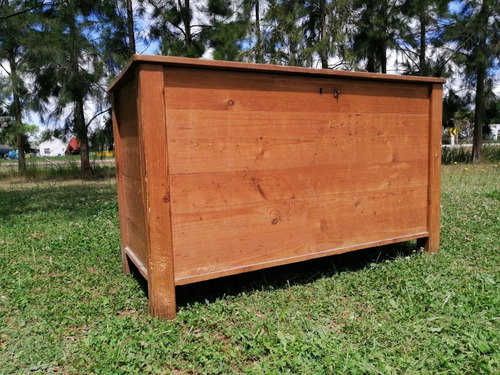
[(66, 307), (225, 31), (428, 16), (283, 40), (456, 155), (449, 155), (175, 27), (56, 168), (377, 24)]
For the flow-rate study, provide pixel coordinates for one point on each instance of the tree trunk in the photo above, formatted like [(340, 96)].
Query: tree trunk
[(130, 27), (370, 63), (186, 19), (323, 52), (17, 113), (383, 57), (258, 47), (79, 114), (81, 133), (477, 141), (421, 55)]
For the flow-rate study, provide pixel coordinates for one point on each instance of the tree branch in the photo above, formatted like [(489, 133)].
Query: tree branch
[(97, 115), (26, 10), (6, 71)]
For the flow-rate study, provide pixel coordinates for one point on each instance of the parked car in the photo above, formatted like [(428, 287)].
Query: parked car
[(4, 151)]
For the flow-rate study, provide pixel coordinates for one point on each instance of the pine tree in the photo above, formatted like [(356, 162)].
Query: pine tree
[(117, 31), (225, 31), (67, 66), (178, 28), (325, 26), (426, 18), (377, 24), (476, 32), (284, 42), (14, 16), (251, 15)]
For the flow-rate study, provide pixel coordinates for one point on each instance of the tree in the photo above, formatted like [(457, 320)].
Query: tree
[(66, 63), (102, 138), (117, 30), (225, 31), (250, 15), (476, 32), (426, 19), (177, 28), (376, 27), (12, 31), (325, 28), (284, 42)]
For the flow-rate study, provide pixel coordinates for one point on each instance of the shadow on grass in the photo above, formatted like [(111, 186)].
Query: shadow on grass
[(280, 277), (67, 198)]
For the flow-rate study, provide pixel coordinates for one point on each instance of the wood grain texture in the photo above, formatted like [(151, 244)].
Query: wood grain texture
[(154, 165), (434, 184), (130, 197), (265, 169), (173, 61), (119, 181)]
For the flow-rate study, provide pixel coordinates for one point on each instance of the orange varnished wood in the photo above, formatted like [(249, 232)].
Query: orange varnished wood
[(260, 141), (154, 164), (249, 166), (434, 184), (183, 62), (119, 180), (233, 91), (251, 234), (130, 197)]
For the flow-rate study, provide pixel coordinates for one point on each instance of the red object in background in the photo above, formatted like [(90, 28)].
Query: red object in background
[(73, 147)]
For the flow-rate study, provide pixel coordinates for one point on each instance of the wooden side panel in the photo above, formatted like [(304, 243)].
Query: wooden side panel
[(267, 169), (434, 184), (130, 199), (156, 187)]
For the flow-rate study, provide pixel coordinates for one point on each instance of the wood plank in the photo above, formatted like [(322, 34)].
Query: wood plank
[(135, 218), (201, 141), (296, 258), (174, 61), (240, 91), (434, 184), (154, 160), (221, 239), (116, 117), (200, 192), (126, 138)]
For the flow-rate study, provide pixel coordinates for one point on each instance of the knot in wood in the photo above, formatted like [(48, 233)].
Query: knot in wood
[(274, 221), (166, 198), (230, 102)]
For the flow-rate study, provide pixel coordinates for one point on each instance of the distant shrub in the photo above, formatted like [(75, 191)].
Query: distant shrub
[(450, 155)]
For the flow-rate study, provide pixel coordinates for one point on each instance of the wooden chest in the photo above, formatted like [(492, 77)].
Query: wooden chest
[(228, 167)]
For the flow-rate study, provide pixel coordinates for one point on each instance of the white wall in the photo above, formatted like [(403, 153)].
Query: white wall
[(495, 129), (52, 147)]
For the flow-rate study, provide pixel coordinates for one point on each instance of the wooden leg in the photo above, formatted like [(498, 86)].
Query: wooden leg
[(430, 244), (162, 301), (125, 263)]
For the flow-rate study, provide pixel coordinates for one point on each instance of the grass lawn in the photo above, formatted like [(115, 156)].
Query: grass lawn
[(65, 306)]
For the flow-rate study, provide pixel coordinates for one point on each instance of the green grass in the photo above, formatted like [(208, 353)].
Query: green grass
[(65, 306)]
